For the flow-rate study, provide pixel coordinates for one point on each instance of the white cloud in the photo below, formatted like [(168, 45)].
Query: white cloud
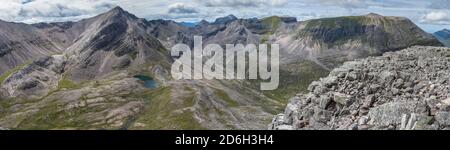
[(51, 10), (350, 4), (243, 3), (308, 16), (31, 11), (279, 2), (181, 8), (437, 17)]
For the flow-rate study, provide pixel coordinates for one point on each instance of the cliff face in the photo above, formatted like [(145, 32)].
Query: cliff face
[(333, 41), (380, 32), (408, 89)]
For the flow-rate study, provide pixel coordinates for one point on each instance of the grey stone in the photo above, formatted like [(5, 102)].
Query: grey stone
[(284, 127), (383, 93), (342, 99), (387, 77), (443, 118)]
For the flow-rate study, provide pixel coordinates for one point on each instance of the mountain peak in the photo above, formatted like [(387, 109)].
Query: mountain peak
[(231, 16), (374, 15), (226, 19), (203, 22), (443, 31), (117, 9), (443, 36)]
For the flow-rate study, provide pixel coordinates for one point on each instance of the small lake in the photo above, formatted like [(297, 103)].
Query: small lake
[(149, 82)]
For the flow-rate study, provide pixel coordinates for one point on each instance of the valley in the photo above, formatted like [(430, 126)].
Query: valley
[(112, 71)]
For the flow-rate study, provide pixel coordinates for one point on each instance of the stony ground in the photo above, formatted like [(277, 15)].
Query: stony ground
[(41, 97), (408, 89)]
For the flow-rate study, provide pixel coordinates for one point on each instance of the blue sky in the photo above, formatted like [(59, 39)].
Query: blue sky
[(431, 15)]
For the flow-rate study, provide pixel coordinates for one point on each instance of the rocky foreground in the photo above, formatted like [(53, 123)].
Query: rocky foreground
[(404, 90)]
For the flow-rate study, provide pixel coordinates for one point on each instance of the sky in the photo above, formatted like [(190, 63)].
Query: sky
[(430, 15)]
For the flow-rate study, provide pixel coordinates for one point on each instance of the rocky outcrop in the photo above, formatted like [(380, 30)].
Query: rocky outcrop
[(402, 90), (36, 79), (122, 102), (103, 104)]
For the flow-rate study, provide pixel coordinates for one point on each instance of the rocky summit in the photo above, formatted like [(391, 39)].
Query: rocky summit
[(404, 90)]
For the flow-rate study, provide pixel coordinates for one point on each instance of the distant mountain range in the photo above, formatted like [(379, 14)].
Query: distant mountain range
[(188, 24), (443, 36), (81, 75)]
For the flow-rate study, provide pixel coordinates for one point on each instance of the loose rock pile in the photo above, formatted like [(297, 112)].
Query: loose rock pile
[(403, 90)]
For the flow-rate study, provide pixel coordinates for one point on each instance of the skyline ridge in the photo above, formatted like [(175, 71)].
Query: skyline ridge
[(429, 15), (122, 10)]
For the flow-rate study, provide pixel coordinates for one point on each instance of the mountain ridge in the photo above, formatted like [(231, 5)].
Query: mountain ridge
[(91, 83), (443, 36), (21, 42)]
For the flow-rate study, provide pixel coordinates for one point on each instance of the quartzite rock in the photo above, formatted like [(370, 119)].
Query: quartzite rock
[(386, 92)]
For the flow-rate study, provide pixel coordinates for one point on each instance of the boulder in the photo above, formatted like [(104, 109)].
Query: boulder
[(378, 93)]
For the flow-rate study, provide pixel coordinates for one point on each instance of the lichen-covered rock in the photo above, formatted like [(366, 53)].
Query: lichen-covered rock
[(404, 90)]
